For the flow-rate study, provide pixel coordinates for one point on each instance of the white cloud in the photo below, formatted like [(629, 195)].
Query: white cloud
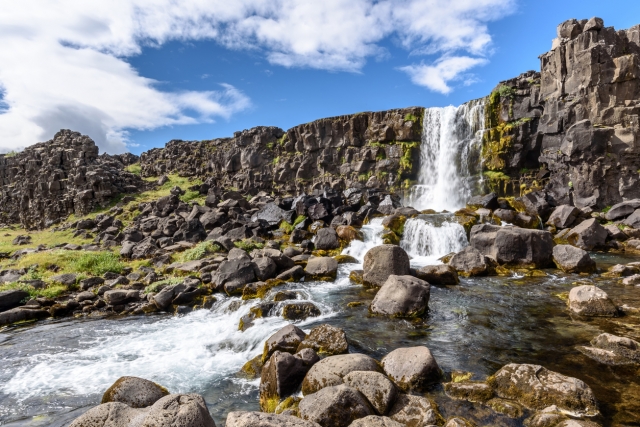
[(445, 70), (63, 62)]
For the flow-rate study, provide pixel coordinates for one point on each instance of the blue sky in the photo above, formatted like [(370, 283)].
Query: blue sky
[(211, 79)]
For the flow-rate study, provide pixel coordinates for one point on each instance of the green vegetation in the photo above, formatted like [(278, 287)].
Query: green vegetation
[(364, 177), (96, 263), (199, 251), (288, 228), (606, 209), (248, 245), (283, 140), (497, 181), (51, 291), (406, 161), (11, 154), (276, 160), (190, 195), (135, 169), (154, 287), (506, 91), (270, 145), (410, 118)]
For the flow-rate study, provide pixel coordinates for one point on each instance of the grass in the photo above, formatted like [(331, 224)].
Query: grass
[(97, 263), (607, 209), (189, 196), (410, 118), (199, 251), (51, 291), (134, 168), (154, 286), (288, 228), (248, 245)]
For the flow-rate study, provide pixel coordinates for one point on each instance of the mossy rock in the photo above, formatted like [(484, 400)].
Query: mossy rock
[(354, 304), (460, 376), (390, 238), (356, 276), (466, 221), (253, 368), (289, 404), (347, 233), (134, 392), (395, 223), (345, 259), (472, 391), (506, 407), (428, 212), (260, 289)]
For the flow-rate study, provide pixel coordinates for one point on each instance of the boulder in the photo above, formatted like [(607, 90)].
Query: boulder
[(291, 275), (537, 388), (633, 220), (613, 350), (264, 268), (535, 204), (513, 245), (382, 261), (439, 275), (234, 272), (622, 210), (591, 301), (563, 216), (321, 268), (402, 296), (488, 201), (588, 235), (286, 340), (282, 375), (68, 279), (335, 406), (631, 280), (459, 422), (260, 419), (270, 213), (326, 239), (573, 260), (473, 391), (174, 410), (135, 392), (415, 411), (376, 387), (21, 314), (300, 311), (593, 24), (412, 368), (12, 299), (326, 339), (164, 298), (470, 262), (375, 421), (331, 370)]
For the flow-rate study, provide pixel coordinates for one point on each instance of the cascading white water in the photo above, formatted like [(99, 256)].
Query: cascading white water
[(372, 237), (450, 150), (426, 241)]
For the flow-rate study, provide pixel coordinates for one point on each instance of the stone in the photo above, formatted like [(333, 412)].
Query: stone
[(402, 296), (622, 210), (415, 411), (326, 239), (375, 421), (331, 370), (470, 262), (377, 388), (613, 350), (412, 368), (260, 419), (300, 311), (458, 422), (291, 275), (439, 275), (326, 340), (270, 213), (473, 391), (68, 279), (234, 272), (488, 201), (134, 392), (633, 220), (563, 216), (594, 24), (631, 280), (591, 301), (165, 297), (321, 268), (281, 376), (573, 260), (287, 340), (513, 245), (12, 299), (588, 235), (381, 262), (20, 314), (264, 268), (536, 387), (335, 406)]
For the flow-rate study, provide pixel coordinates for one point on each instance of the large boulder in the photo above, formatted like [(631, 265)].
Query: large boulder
[(382, 261), (402, 296), (282, 375), (174, 410), (537, 388), (326, 239), (470, 262), (563, 216), (300, 310), (591, 301), (335, 406), (588, 235), (330, 371), (321, 268), (622, 210), (488, 201), (415, 411), (12, 298), (513, 245), (260, 419), (21, 314), (412, 368), (573, 260), (440, 275), (135, 392), (234, 272), (633, 220), (326, 339), (613, 350), (286, 340), (376, 387)]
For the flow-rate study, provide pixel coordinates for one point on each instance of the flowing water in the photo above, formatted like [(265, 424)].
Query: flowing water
[(429, 237), (450, 169)]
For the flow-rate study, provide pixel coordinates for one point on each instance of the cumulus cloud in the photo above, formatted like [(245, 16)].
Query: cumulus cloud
[(63, 63)]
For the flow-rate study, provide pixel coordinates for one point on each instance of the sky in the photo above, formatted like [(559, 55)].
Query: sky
[(134, 74)]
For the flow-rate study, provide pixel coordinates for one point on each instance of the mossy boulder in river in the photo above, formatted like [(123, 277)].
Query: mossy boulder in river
[(330, 371), (335, 406), (402, 296), (327, 340), (286, 339), (381, 262), (282, 375), (573, 260), (135, 392), (591, 301), (321, 268), (261, 419), (537, 388), (412, 368), (512, 245), (376, 387)]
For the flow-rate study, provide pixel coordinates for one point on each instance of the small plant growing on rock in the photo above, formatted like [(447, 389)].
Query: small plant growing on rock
[(200, 251)]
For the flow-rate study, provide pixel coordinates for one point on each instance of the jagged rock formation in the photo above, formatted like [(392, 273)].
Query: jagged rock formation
[(50, 180), (366, 149), (571, 129)]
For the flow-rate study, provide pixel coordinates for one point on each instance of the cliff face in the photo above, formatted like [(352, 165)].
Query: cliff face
[(366, 149), (48, 181), (571, 129)]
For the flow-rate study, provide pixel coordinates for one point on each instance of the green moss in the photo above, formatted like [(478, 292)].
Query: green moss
[(607, 209), (190, 195), (51, 291), (199, 251), (248, 245), (497, 181), (155, 286), (97, 263)]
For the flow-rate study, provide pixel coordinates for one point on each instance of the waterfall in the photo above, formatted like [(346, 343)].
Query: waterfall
[(429, 237), (372, 234), (450, 160)]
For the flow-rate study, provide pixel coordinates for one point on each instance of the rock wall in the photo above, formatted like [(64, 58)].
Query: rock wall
[(360, 150), (571, 129), (48, 181)]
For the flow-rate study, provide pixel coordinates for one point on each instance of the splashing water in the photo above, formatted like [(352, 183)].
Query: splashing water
[(450, 170), (430, 237), (372, 237)]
